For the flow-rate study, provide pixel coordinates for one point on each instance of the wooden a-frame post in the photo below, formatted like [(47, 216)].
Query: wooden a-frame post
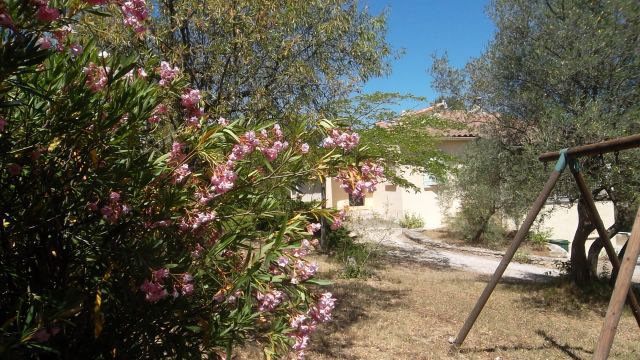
[(621, 291)]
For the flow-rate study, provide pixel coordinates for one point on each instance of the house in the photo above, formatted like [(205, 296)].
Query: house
[(394, 202)]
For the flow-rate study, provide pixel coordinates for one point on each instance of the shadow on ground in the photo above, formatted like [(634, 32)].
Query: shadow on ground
[(423, 257), (355, 301), (549, 342)]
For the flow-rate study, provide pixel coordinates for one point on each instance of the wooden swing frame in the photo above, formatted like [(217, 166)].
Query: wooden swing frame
[(568, 157)]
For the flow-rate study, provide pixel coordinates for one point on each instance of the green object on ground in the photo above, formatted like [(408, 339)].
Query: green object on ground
[(561, 242)]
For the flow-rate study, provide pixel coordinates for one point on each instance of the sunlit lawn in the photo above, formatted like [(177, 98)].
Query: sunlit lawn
[(408, 311)]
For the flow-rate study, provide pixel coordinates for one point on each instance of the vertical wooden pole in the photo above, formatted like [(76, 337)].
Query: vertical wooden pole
[(620, 292), (515, 243), (602, 231)]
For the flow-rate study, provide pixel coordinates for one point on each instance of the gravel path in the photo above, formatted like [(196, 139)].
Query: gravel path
[(398, 245)]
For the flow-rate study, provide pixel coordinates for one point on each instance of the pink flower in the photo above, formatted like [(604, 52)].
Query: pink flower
[(14, 169), (190, 98), (45, 13), (160, 274), (96, 77), (270, 300), (113, 210), (321, 312), (153, 291), (44, 43), (167, 74), (283, 261), (313, 227), (197, 252), (135, 12), (76, 49), (222, 121), (6, 21), (304, 148), (177, 155), (44, 334), (181, 173), (343, 140), (223, 179)]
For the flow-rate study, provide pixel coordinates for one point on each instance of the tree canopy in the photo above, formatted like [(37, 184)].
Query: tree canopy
[(560, 73)]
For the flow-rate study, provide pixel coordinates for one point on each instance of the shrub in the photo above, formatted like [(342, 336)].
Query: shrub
[(411, 221), (353, 256), (521, 257), (539, 239), (134, 223), (466, 226)]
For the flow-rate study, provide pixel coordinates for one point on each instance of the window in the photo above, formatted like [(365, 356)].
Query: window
[(356, 201), (428, 180)]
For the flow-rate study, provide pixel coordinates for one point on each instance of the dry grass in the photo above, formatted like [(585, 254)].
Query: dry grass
[(410, 310)]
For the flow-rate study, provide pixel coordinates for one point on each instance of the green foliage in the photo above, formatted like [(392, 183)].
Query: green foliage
[(539, 239), (521, 257), (557, 74), (406, 143), (475, 230), (126, 231), (488, 186), (411, 221), (353, 256), (266, 60)]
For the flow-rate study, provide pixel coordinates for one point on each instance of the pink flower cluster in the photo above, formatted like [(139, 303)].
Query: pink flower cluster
[(302, 271), (313, 227), (190, 101), (270, 300), (322, 310), (140, 73), (269, 143), (46, 13), (58, 38), (176, 158), (196, 222), (222, 180), (167, 73), (338, 219), (343, 139), (96, 77), (305, 324), (159, 110), (135, 13), (155, 289), (357, 182), (113, 210), (5, 18)]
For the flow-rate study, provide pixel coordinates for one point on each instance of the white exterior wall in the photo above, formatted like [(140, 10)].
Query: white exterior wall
[(393, 202), (563, 221)]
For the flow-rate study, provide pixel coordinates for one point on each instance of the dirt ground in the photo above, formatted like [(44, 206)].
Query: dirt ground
[(448, 238), (409, 311)]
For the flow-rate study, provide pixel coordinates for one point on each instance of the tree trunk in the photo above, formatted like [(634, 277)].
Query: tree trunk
[(596, 248), (580, 270), (482, 228)]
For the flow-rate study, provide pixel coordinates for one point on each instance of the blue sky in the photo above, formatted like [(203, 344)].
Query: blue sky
[(423, 27)]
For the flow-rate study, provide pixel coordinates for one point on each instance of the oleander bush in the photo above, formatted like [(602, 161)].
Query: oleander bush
[(135, 223)]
